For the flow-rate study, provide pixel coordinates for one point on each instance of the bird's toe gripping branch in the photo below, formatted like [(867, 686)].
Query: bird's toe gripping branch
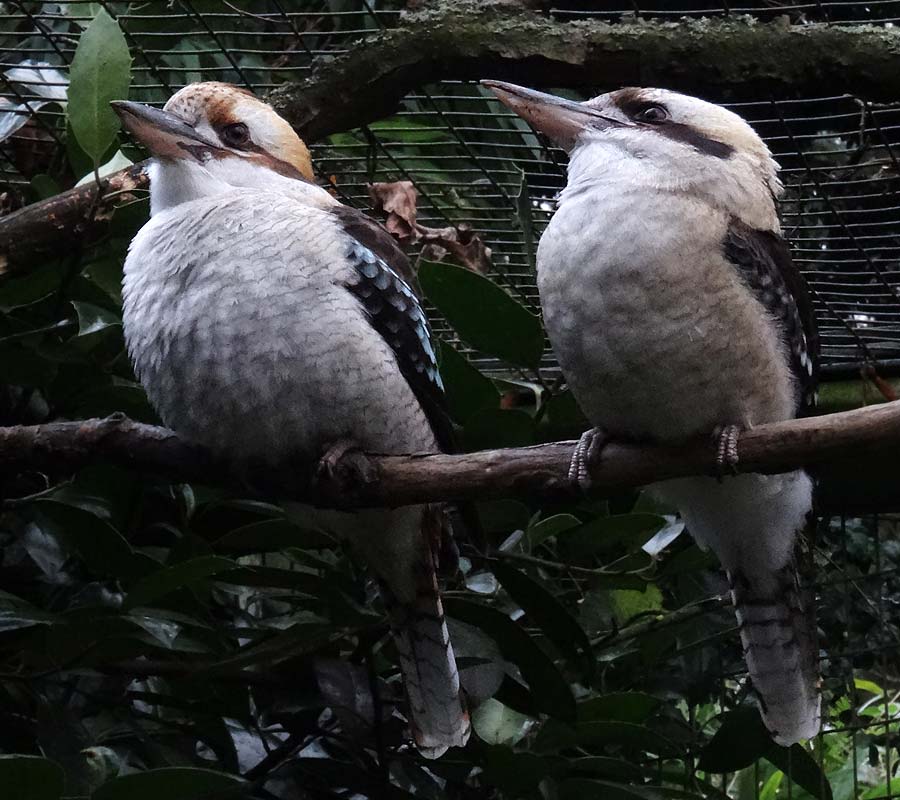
[(343, 471), (726, 438), (586, 454)]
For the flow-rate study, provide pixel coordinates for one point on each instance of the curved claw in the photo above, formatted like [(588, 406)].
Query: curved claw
[(727, 460), (328, 463), (586, 453)]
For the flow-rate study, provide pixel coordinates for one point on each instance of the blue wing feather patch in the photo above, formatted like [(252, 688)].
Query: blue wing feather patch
[(396, 314), (382, 281)]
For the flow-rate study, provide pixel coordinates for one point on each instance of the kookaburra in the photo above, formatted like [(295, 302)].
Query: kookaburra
[(674, 308), (269, 322)]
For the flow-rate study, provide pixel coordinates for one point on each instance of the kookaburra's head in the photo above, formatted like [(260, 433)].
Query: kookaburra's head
[(210, 137), (657, 139)]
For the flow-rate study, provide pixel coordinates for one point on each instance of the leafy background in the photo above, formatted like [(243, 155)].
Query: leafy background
[(166, 639)]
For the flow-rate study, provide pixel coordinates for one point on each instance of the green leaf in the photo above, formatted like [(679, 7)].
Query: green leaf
[(543, 530), (468, 390), (271, 534), (889, 789), (12, 619), (310, 583), (515, 774), (503, 516), (585, 789), (868, 686), (633, 707), (628, 603), (483, 314), (544, 610), (741, 739), (625, 734), (30, 778), (93, 319), (406, 130), (31, 287), (167, 580), (498, 427), (22, 366), (496, 723), (526, 222), (603, 534), (549, 689), (118, 161), (608, 767), (44, 186), (801, 767), (563, 419), (100, 73), (102, 548), (183, 783)]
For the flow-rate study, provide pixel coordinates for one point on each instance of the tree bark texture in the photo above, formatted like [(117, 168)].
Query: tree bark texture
[(861, 437), (76, 216), (722, 59)]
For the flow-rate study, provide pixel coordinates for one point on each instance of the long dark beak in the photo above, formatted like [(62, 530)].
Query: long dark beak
[(563, 121), (162, 133)]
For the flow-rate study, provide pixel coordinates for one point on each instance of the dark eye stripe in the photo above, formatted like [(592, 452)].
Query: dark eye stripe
[(676, 131), (685, 133)]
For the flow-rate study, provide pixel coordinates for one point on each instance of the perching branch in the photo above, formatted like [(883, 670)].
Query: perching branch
[(360, 480), (723, 59), (78, 215)]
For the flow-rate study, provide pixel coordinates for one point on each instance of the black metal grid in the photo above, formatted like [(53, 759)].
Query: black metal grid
[(837, 153), (841, 211)]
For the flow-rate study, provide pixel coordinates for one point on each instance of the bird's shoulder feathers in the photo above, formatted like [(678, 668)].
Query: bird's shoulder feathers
[(380, 280), (763, 259)]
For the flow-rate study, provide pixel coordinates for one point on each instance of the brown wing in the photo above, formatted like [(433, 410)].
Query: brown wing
[(764, 261)]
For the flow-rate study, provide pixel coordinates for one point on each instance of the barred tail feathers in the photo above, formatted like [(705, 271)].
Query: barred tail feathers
[(778, 631), (751, 522), (401, 546), (438, 716)]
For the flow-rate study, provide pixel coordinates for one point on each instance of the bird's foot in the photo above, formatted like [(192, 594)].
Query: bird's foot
[(342, 470), (327, 467), (726, 438), (586, 454)]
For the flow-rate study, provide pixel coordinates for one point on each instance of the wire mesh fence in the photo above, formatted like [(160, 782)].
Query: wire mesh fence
[(473, 163), (463, 152)]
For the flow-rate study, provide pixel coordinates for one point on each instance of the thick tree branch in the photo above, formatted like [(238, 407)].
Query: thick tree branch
[(370, 480), (77, 215), (734, 58)]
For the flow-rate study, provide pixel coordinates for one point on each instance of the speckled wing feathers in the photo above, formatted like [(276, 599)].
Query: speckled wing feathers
[(765, 263), (396, 315), (374, 237)]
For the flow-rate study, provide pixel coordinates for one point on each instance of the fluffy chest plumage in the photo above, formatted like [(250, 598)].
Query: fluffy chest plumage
[(246, 340), (657, 334)]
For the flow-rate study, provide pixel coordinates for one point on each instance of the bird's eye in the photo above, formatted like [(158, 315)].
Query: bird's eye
[(652, 114), (235, 135)]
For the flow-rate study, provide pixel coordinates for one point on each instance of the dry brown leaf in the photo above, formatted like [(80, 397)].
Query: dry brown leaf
[(462, 243), (399, 201)]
